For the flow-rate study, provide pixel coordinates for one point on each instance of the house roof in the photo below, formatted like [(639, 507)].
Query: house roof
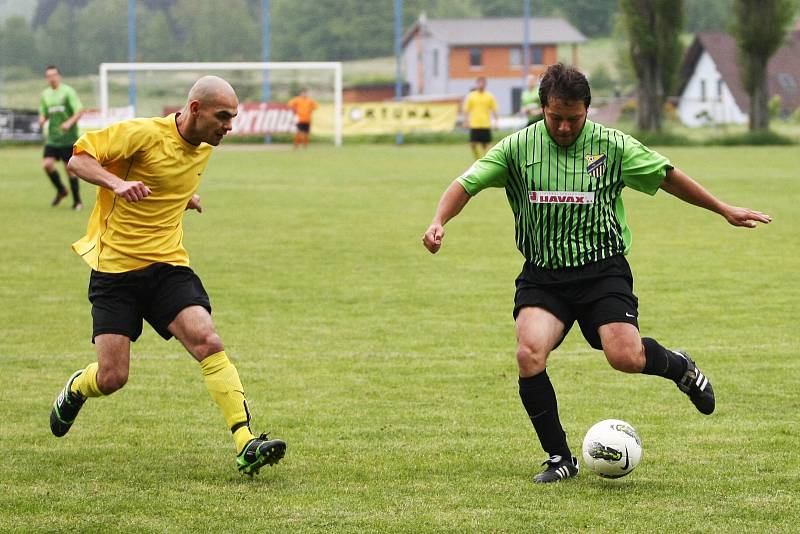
[(497, 31), (783, 71)]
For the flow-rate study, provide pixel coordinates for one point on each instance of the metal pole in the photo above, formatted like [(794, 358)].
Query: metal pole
[(266, 92), (526, 52), (337, 105), (132, 53), (398, 37)]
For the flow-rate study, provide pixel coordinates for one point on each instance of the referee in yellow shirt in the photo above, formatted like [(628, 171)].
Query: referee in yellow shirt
[(479, 108), (148, 172)]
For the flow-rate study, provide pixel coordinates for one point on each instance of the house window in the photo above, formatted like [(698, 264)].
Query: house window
[(475, 57), (702, 90), (435, 63), (537, 54), (515, 57), (787, 82), (720, 84)]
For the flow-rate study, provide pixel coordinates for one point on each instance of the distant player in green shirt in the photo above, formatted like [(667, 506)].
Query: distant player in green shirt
[(529, 100), (60, 108), (564, 177)]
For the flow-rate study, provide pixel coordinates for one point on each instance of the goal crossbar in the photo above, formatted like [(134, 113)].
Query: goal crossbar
[(335, 66)]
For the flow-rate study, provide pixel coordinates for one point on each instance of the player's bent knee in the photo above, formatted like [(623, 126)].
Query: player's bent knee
[(530, 361), (111, 380), (626, 360), (210, 344)]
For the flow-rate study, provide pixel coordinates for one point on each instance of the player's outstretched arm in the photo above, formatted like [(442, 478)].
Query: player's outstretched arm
[(452, 202), (89, 169), (679, 184)]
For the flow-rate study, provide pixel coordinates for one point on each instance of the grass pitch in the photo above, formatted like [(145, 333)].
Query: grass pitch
[(391, 372)]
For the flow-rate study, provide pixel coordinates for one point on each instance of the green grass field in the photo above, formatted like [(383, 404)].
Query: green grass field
[(391, 372)]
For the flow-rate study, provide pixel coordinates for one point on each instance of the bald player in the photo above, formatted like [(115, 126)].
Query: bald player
[(147, 172)]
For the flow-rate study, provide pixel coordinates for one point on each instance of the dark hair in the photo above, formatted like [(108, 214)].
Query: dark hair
[(52, 67), (565, 83)]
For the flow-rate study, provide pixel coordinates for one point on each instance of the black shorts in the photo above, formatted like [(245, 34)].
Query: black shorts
[(594, 294), (304, 127), (480, 135), (62, 153), (156, 294)]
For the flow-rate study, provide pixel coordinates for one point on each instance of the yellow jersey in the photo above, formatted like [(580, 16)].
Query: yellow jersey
[(478, 106), (126, 236)]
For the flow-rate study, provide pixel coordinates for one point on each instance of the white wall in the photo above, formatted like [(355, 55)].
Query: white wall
[(717, 108)]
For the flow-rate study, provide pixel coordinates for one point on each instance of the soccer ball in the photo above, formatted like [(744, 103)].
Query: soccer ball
[(612, 448)]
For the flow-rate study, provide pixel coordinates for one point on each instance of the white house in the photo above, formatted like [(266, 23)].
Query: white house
[(711, 90)]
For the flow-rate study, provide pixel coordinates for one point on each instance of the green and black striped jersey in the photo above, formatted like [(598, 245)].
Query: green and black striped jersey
[(567, 202)]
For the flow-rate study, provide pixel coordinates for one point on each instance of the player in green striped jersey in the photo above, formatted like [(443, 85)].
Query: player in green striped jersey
[(563, 178), (60, 108)]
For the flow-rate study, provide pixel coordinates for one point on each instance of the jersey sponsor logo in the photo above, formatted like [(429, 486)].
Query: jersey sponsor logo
[(596, 165), (56, 109), (561, 197)]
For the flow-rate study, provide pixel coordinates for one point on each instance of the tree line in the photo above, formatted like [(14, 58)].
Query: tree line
[(77, 35)]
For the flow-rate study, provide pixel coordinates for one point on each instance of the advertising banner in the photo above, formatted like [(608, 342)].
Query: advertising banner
[(19, 125), (387, 118)]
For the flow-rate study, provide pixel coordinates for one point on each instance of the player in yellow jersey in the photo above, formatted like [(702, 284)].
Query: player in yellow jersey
[(479, 108), (148, 172)]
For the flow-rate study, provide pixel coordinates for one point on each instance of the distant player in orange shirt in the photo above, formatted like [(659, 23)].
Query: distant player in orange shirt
[(303, 106)]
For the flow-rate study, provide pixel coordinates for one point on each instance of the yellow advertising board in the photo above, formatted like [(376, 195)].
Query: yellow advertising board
[(387, 118)]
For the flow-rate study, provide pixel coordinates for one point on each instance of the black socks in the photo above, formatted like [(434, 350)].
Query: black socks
[(539, 399), (57, 183), (662, 362), (76, 192)]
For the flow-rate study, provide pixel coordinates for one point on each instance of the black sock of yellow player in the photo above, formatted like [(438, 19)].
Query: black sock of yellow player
[(86, 382), (224, 386)]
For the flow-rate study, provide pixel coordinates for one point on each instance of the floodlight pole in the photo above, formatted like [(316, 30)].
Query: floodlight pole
[(526, 40), (266, 91), (132, 53), (398, 36)]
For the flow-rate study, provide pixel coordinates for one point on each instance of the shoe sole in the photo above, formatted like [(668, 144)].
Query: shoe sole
[(267, 455)]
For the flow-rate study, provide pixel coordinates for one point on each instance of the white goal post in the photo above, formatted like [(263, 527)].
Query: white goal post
[(334, 66)]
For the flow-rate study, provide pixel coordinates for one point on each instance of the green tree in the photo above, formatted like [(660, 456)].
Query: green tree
[(155, 39), (58, 40), (102, 29), (760, 28), (653, 28), (212, 31), (18, 45), (708, 15), (592, 17)]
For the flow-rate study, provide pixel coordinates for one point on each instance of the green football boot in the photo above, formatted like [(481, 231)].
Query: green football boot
[(259, 452), (66, 408)]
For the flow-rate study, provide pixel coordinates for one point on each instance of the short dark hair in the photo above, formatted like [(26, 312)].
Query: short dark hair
[(565, 83), (52, 67)]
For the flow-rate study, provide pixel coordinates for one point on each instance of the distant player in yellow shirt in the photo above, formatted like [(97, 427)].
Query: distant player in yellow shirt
[(479, 109), (148, 172)]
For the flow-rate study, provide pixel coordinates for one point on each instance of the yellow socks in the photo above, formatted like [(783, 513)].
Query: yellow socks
[(86, 383), (226, 389)]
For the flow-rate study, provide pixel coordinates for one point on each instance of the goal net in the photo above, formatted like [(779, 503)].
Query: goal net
[(264, 88)]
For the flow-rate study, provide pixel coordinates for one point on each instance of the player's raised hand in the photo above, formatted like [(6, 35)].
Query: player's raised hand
[(194, 204), (132, 191), (432, 239), (746, 217)]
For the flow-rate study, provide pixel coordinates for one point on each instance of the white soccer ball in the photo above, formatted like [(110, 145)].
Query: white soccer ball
[(612, 448)]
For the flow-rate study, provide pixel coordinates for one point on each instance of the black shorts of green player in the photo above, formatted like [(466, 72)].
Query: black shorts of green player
[(563, 177), (594, 295), (58, 153), (480, 135), (156, 294)]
